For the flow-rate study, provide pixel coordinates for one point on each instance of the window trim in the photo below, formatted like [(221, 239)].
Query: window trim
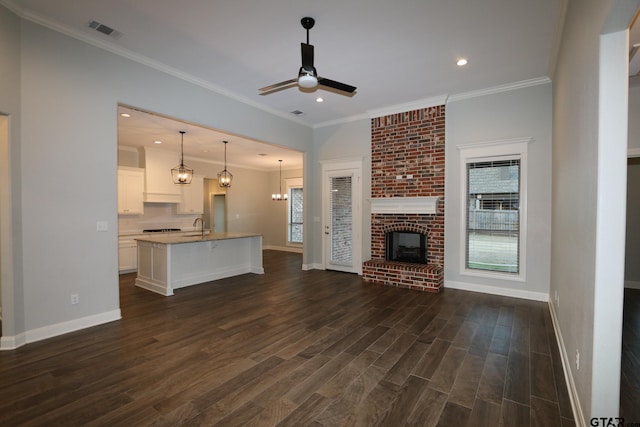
[(491, 151), (290, 183)]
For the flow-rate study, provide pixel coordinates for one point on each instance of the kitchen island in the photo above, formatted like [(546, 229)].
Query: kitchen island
[(170, 262)]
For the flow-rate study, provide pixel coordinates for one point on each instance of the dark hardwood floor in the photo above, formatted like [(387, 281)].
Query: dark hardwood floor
[(630, 378), (295, 348)]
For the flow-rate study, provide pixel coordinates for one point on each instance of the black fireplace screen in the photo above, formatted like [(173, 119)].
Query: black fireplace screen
[(406, 246)]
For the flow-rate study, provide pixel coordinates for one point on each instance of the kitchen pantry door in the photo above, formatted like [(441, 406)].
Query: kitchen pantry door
[(341, 216)]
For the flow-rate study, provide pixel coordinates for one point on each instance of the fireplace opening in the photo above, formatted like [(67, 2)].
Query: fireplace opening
[(406, 246)]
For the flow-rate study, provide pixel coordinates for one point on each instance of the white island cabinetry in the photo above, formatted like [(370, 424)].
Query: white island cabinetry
[(171, 262)]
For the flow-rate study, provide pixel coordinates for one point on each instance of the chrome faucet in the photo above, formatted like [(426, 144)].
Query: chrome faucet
[(195, 221)]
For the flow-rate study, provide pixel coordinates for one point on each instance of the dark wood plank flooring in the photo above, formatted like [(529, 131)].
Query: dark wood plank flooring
[(295, 348), (630, 378)]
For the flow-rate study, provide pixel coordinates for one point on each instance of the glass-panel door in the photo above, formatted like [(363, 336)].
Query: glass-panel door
[(341, 217), (341, 221)]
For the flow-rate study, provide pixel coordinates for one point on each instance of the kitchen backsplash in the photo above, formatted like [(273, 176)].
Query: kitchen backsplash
[(156, 215)]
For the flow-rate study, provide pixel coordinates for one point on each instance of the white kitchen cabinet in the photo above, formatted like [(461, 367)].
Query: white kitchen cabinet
[(191, 198), (130, 190), (158, 183), (127, 255)]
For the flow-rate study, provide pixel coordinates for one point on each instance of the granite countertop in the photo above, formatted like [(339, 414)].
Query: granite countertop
[(134, 233), (171, 239)]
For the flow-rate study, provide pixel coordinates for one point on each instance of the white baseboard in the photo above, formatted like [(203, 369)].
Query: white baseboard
[(568, 376), (496, 290), (13, 342), (10, 343), (631, 284), (312, 266), (153, 286), (283, 248)]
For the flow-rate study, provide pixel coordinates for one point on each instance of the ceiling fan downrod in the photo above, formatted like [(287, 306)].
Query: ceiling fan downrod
[(307, 23)]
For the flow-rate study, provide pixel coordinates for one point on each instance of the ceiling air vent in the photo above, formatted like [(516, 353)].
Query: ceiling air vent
[(297, 112), (104, 29)]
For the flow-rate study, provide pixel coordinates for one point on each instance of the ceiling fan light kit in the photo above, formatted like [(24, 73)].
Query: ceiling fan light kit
[(307, 81), (308, 76)]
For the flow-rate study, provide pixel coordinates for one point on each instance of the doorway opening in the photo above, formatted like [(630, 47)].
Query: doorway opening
[(5, 225), (218, 213)]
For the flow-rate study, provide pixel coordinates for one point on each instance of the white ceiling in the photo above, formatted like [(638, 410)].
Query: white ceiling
[(395, 52)]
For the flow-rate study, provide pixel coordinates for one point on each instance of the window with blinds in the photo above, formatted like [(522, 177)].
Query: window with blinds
[(493, 215), (295, 216)]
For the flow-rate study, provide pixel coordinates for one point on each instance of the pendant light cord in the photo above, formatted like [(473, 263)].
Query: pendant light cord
[(182, 148)]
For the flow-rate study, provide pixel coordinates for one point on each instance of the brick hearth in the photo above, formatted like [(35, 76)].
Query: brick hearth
[(408, 144)]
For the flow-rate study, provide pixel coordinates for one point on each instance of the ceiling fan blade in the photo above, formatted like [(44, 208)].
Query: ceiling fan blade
[(336, 85), (277, 85), (293, 83), (307, 56)]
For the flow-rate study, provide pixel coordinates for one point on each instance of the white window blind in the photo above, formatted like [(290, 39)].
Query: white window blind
[(493, 215), (296, 211)]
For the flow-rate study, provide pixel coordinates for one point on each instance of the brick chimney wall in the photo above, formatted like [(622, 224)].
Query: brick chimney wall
[(408, 144)]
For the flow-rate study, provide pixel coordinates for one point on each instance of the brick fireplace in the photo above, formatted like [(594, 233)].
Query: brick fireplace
[(407, 194)]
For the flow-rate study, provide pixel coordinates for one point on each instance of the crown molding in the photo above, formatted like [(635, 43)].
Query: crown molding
[(141, 59), (498, 89), (342, 121), (409, 106)]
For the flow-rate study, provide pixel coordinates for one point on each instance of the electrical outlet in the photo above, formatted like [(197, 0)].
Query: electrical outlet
[(75, 298), (102, 226), (577, 359)]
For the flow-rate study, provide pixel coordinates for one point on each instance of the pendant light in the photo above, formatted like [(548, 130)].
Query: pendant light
[(224, 177), (182, 174), (279, 196)]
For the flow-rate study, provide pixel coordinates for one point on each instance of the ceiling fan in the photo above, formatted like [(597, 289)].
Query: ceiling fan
[(307, 75)]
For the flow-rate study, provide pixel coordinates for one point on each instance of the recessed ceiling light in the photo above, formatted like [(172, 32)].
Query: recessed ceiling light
[(319, 99), (157, 142), (127, 115), (461, 62)]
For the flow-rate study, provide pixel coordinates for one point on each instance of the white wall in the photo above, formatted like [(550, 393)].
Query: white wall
[(70, 91), (13, 320), (520, 113), (588, 214), (246, 200)]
